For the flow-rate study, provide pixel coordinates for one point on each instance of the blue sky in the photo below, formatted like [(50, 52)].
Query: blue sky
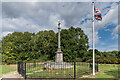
[(37, 16)]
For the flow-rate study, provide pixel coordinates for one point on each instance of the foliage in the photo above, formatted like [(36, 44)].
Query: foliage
[(74, 44), (110, 57), (42, 46)]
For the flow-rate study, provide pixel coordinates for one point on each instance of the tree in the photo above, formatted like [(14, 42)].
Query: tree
[(42, 46), (46, 42), (74, 43), (88, 56)]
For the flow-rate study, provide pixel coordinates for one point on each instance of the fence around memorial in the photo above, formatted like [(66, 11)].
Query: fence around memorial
[(31, 70)]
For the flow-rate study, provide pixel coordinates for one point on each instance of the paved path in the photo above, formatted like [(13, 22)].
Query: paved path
[(9, 75)]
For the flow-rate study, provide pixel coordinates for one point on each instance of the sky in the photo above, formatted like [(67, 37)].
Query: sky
[(39, 16)]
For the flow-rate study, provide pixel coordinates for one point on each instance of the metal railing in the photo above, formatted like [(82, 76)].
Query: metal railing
[(33, 70), (22, 69)]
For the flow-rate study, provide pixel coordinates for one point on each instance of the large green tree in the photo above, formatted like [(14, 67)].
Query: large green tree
[(42, 46), (74, 43), (27, 46), (46, 42)]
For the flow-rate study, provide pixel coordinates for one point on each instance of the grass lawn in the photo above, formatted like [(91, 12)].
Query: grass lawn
[(58, 73), (32, 68), (107, 71), (6, 69)]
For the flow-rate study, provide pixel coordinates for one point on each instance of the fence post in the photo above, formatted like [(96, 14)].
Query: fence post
[(91, 66), (18, 67), (74, 70), (97, 66), (22, 72), (25, 71), (34, 64)]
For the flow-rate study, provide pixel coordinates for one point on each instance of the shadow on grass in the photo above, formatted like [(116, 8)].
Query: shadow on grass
[(114, 73)]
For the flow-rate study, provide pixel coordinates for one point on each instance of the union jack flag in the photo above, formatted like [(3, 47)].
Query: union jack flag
[(98, 15)]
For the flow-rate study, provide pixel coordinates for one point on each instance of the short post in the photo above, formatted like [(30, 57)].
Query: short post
[(19, 67), (34, 64), (25, 71), (74, 70), (22, 69), (97, 66)]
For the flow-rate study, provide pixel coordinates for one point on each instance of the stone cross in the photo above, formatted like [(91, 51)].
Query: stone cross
[(59, 55)]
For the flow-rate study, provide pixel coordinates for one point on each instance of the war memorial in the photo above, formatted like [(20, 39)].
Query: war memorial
[(59, 63)]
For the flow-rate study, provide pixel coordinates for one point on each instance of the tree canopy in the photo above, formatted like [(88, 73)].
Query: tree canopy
[(42, 46)]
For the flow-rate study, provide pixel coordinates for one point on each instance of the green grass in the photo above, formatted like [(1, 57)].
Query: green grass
[(54, 74), (82, 69), (31, 69), (107, 71), (6, 69), (58, 73)]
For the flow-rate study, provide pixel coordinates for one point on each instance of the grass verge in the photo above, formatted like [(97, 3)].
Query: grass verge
[(107, 71), (6, 69)]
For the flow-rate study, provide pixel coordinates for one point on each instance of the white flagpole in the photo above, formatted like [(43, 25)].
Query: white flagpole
[(93, 43)]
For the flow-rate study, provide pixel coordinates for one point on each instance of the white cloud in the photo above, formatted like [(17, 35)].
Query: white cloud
[(115, 32), (3, 34), (60, 0), (53, 21), (19, 24), (6, 33), (33, 17), (108, 48)]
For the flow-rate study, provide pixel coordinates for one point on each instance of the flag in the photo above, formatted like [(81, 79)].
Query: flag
[(98, 15)]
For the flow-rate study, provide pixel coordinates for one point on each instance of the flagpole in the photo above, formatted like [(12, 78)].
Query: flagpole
[(93, 43)]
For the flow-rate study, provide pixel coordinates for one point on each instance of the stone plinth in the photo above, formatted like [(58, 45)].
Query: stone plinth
[(59, 56), (56, 65)]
